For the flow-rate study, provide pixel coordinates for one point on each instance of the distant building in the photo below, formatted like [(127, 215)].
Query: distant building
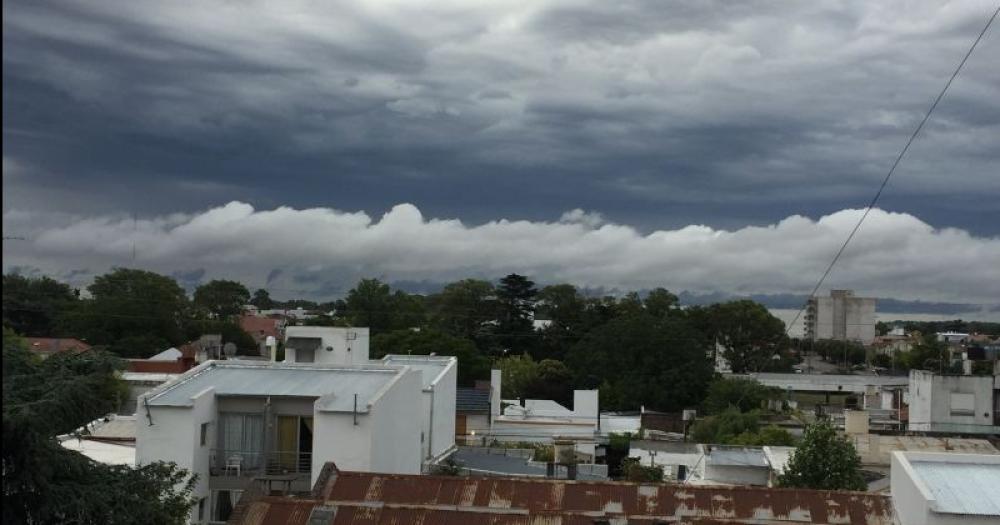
[(952, 337), (955, 404), (260, 328), (472, 413), (47, 346), (326, 345), (945, 489), (841, 317)]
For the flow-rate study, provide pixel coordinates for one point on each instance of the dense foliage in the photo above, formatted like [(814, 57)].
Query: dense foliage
[(638, 349), (640, 359), (823, 460), (46, 483), (743, 394)]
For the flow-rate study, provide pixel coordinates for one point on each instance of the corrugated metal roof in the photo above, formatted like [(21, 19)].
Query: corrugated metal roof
[(431, 366), (472, 400), (369, 498), (247, 378), (962, 488), (736, 457)]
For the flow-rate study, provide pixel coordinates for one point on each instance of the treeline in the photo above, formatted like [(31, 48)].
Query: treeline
[(639, 350), (933, 327)]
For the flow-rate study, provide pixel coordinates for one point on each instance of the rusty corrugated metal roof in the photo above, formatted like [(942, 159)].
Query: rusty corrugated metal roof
[(379, 499)]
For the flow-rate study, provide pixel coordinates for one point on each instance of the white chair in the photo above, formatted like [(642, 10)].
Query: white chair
[(234, 462)]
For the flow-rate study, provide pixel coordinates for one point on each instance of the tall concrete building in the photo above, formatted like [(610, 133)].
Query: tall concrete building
[(842, 317)]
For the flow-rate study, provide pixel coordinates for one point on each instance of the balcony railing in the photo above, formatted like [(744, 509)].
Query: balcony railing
[(225, 462)]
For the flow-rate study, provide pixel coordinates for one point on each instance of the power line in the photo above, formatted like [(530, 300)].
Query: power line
[(892, 169)]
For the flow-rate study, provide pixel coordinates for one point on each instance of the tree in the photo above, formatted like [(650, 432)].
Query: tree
[(823, 461), (32, 306), (144, 308), (463, 307), (749, 335), (517, 374), (641, 360), (743, 394), (472, 364), (262, 299), (371, 303), (725, 426), (223, 299), (554, 381), (633, 470), (927, 354), (771, 435), (659, 302), (515, 313), (45, 483)]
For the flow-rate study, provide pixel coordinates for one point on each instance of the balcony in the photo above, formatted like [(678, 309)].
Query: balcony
[(249, 464)]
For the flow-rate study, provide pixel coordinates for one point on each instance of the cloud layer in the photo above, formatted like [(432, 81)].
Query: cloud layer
[(656, 113), (321, 252)]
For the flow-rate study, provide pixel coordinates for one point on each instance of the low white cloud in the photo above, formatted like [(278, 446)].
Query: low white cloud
[(322, 250)]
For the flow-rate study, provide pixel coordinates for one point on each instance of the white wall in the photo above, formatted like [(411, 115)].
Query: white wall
[(396, 427), (175, 436), (338, 339), (931, 403), (336, 438), (444, 412)]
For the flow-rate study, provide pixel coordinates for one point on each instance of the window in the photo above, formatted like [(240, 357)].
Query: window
[(223, 503), (204, 434), (201, 509), (963, 404), (240, 435)]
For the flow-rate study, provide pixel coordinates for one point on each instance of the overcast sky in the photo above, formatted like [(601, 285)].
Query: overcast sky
[(708, 146)]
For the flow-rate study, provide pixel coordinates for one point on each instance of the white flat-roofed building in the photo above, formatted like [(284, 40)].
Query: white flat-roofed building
[(326, 345), (440, 377), (233, 421), (945, 488), (955, 404)]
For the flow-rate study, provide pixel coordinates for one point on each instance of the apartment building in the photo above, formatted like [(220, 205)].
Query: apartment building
[(841, 317), (231, 422)]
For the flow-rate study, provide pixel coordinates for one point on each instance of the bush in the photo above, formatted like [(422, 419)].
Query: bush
[(632, 470)]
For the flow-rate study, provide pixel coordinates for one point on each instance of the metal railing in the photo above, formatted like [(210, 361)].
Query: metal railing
[(227, 462)]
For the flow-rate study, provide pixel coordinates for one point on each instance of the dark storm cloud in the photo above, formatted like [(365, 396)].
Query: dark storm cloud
[(626, 107), (656, 114)]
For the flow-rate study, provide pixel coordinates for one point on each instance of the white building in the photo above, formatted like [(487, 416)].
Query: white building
[(326, 345), (958, 404), (543, 420), (841, 317), (232, 421), (945, 488), (440, 376)]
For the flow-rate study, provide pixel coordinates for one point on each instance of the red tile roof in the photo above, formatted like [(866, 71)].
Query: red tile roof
[(370, 498), (256, 326), (160, 367), (47, 346)]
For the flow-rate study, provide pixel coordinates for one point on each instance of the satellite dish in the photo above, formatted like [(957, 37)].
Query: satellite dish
[(229, 349)]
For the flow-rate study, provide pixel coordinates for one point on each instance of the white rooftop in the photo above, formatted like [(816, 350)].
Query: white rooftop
[(170, 354), (101, 452), (962, 488), (431, 366), (336, 384), (966, 484)]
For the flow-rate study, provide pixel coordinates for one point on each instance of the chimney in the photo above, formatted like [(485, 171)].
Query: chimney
[(495, 392)]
